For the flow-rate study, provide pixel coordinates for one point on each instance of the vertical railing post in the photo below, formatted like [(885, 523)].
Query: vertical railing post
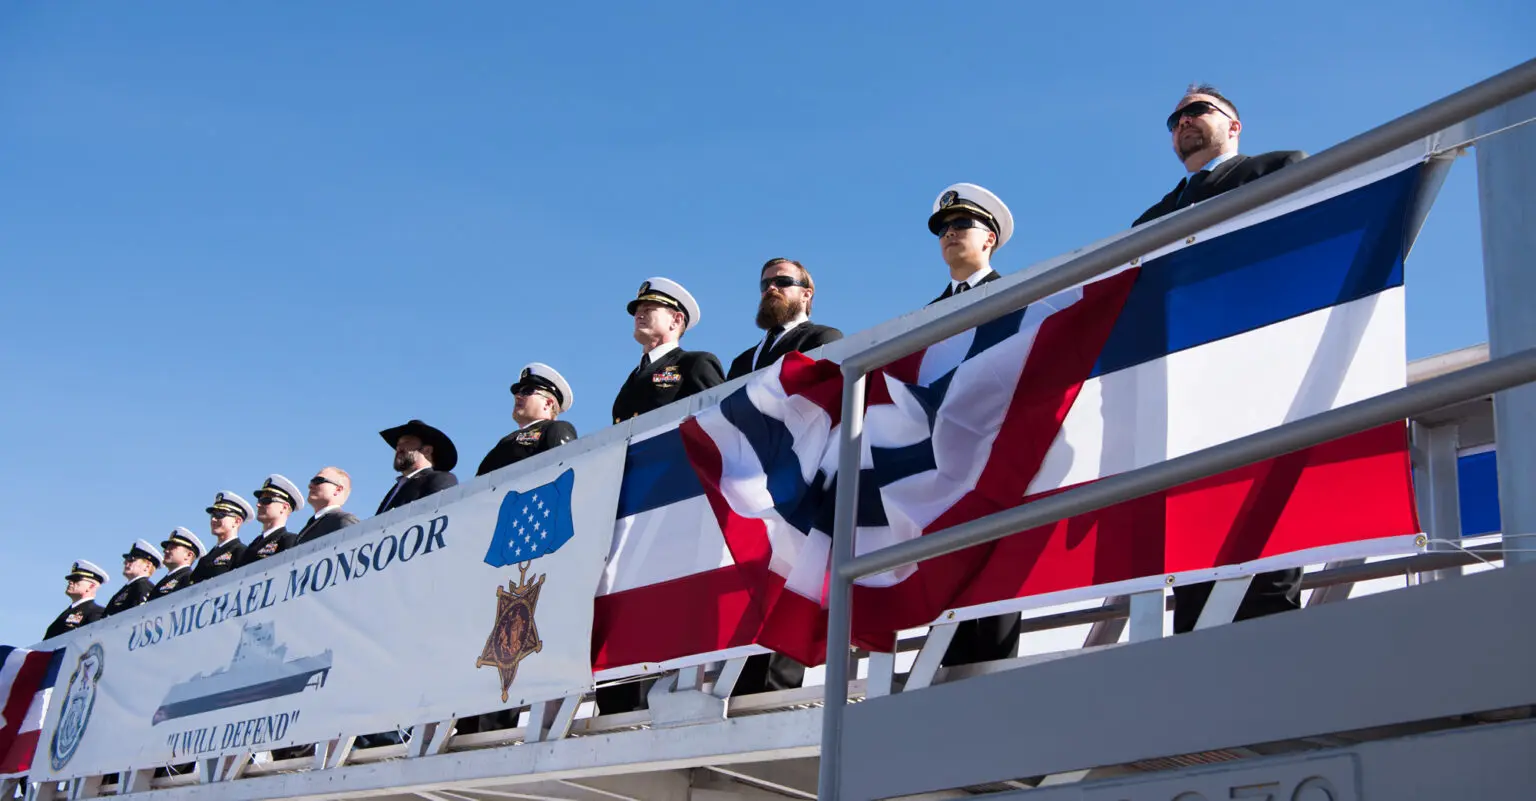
[(1506, 186), (840, 590), (1438, 489)]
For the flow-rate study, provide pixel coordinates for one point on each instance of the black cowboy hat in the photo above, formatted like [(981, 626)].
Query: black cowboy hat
[(444, 455)]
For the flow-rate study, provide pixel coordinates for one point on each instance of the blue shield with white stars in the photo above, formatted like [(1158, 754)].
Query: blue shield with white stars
[(534, 523)]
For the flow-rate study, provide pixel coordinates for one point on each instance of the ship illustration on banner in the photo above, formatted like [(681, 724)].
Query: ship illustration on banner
[(529, 525), (257, 672)]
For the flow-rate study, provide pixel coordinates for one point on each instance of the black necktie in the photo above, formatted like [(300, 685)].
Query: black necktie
[(645, 361), (768, 342), (1187, 194), (963, 287)]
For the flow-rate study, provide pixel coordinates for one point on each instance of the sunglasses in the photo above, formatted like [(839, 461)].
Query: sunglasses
[(318, 480), (220, 515), (1199, 108), (780, 281), (524, 391), (268, 501), (961, 224)]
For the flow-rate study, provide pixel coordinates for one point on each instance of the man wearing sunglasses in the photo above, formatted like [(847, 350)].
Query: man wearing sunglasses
[(225, 517), (540, 395), (182, 548), (784, 311), (81, 583), (141, 562), (971, 224), (1205, 128), (275, 501), (328, 491)]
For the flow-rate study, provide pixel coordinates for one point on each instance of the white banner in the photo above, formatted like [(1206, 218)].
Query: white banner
[(484, 603)]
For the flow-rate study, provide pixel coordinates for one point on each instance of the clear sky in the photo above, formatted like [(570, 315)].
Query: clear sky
[(238, 239)]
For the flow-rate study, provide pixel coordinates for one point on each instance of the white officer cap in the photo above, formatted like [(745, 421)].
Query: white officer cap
[(227, 501), (671, 294), (542, 376), (83, 569), (977, 201), (285, 490), (185, 538), (143, 550)]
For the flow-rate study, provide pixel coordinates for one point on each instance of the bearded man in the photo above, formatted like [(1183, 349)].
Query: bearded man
[(784, 311)]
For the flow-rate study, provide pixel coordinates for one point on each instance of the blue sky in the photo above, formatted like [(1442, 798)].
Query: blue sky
[(242, 239)]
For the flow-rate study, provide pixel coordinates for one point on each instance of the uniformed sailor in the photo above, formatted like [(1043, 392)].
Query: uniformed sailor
[(82, 581), (275, 501), (663, 311), (182, 548), (540, 395), (141, 562), (971, 224), (225, 516)]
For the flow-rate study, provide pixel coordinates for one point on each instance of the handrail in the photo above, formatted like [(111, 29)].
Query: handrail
[(1514, 369)]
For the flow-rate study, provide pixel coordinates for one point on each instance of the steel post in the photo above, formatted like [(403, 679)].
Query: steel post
[(1506, 188), (840, 592)]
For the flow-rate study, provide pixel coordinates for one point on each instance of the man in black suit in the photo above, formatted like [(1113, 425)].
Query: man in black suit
[(228, 512), (182, 548), (82, 581), (784, 311), (328, 491), (141, 562), (424, 457), (275, 501), (971, 224), (540, 395), (1205, 128), (663, 311)]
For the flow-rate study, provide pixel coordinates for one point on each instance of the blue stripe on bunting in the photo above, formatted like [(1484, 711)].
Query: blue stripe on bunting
[(994, 331), (52, 676), (657, 473), (1336, 251), (5, 652), (1477, 485)]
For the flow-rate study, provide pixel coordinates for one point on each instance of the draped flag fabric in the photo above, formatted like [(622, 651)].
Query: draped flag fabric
[(26, 680), (725, 519)]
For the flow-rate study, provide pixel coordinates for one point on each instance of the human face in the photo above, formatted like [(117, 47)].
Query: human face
[(656, 324), (80, 588), (224, 524), (134, 568), (271, 511), (327, 488), (532, 403), (967, 246), (1200, 133), (410, 454), (178, 556), (779, 305)]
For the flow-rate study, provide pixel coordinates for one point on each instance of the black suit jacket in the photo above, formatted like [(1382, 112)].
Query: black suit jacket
[(266, 545), (318, 527), (416, 487), (219, 560), (949, 291), (173, 581), (135, 593), (1228, 175), (75, 617), (536, 437), (804, 337), (674, 376)]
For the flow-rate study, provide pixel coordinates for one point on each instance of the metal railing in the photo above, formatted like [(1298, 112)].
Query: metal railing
[(1502, 373)]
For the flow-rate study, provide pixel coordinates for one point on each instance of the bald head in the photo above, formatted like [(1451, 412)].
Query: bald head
[(331, 486)]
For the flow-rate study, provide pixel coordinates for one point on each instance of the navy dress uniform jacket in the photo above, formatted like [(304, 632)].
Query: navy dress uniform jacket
[(134, 593), (949, 291), (801, 338), (173, 581), (265, 545), (677, 374), (536, 437), (75, 617), (417, 487), (219, 560)]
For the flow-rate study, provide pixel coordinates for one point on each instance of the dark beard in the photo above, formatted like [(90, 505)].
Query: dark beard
[(403, 461), (1192, 146), (775, 310)]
